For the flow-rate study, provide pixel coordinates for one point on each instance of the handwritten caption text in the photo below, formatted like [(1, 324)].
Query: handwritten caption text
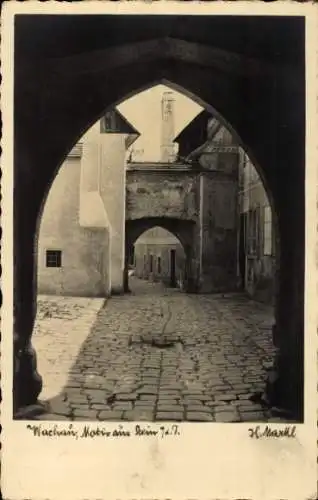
[(99, 431)]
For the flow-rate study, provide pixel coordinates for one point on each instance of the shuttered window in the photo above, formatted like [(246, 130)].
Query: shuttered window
[(53, 258), (268, 231)]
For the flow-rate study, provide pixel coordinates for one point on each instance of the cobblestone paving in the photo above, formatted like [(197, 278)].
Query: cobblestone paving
[(62, 325), (156, 354)]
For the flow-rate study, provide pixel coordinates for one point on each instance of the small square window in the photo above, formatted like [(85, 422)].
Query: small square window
[(109, 123), (53, 258)]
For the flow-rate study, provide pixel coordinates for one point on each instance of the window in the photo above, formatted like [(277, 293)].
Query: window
[(253, 231), (151, 263), (108, 122), (268, 231), (159, 265), (53, 258)]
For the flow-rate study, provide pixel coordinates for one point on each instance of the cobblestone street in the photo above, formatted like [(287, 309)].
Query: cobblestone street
[(155, 354)]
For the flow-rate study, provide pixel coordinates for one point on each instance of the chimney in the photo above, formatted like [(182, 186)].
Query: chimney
[(168, 147)]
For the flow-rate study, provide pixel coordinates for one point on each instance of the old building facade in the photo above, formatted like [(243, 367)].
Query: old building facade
[(81, 235), (257, 238), (254, 227)]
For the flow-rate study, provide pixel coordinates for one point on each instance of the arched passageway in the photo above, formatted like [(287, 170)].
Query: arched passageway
[(252, 89), (183, 230), (159, 256)]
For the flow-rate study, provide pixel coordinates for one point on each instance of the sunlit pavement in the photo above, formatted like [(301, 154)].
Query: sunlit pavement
[(155, 354)]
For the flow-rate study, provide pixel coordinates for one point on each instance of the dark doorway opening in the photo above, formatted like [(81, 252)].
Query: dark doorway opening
[(173, 281), (131, 256)]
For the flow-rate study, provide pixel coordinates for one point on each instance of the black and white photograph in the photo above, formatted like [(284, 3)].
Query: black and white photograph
[(160, 205)]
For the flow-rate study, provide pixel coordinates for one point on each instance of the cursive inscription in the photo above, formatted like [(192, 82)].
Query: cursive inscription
[(53, 431), (100, 431), (289, 431)]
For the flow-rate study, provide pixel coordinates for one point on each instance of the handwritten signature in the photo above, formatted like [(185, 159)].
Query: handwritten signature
[(289, 431)]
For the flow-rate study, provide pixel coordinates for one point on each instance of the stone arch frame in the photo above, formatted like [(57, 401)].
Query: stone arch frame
[(167, 49), (203, 54), (266, 90), (178, 88), (182, 229), (162, 52)]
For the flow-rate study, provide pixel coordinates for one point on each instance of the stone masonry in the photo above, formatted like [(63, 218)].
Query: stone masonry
[(205, 195), (156, 193)]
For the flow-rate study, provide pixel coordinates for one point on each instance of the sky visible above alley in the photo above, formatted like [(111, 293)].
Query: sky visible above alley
[(143, 111)]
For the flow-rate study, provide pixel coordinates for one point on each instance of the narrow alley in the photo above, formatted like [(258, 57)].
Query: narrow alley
[(155, 354)]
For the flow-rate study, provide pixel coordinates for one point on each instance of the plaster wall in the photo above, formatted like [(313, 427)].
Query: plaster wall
[(218, 233), (84, 250), (112, 191)]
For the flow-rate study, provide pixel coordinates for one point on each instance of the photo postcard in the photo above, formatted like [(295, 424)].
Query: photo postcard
[(159, 220)]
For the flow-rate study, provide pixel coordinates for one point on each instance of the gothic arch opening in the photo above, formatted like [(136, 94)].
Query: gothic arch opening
[(182, 231), (250, 272), (158, 256), (185, 230)]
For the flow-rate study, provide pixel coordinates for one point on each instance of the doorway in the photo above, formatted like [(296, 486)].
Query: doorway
[(173, 281)]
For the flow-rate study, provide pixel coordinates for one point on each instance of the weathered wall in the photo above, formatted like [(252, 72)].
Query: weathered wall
[(167, 195), (224, 137), (260, 264), (112, 190), (210, 199), (91, 206), (85, 218), (219, 233), (84, 251), (161, 194), (219, 214)]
